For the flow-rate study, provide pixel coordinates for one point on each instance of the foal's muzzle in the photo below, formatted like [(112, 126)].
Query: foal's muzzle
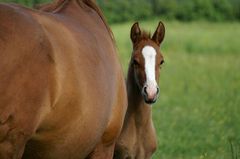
[(150, 94)]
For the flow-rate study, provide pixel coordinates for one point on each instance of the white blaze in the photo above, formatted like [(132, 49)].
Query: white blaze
[(149, 54)]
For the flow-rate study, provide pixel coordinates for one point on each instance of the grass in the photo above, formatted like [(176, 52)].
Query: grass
[(198, 113)]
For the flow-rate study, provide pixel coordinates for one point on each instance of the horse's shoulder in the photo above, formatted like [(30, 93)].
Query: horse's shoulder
[(21, 35)]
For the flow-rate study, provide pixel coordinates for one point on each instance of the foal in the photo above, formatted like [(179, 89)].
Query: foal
[(138, 138)]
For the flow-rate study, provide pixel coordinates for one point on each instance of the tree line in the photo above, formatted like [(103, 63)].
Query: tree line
[(183, 10)]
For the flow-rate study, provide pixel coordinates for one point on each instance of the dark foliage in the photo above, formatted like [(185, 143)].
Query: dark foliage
[(184, 10)]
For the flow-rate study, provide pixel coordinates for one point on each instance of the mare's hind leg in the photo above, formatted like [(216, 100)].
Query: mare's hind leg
[(102, 151)]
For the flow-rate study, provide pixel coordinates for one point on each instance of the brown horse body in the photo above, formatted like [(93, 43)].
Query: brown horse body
[(62, 90), (138, 138)]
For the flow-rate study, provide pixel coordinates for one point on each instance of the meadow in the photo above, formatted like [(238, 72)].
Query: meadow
[(198, 113)]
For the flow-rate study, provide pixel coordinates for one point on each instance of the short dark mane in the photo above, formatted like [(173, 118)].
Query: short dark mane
[(145, 35), (57, 5)]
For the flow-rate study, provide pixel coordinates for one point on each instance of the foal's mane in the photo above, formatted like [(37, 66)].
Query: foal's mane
[(57, 5), (145, 35)]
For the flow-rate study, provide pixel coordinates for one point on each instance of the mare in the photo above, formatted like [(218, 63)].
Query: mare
[(62, 88), (138, 139)]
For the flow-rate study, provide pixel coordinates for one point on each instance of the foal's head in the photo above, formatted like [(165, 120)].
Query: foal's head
[(147, 60)]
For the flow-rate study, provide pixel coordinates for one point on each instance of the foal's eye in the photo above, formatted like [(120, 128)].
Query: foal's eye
[(161, 62)]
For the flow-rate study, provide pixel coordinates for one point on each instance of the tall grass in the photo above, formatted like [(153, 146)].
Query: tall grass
[(198, 111)]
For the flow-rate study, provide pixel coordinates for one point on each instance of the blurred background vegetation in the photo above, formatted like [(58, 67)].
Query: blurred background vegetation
[(184, 10), (198, 113)]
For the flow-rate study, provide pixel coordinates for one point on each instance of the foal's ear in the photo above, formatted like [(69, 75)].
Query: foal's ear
[(159, 34), (135, 32)]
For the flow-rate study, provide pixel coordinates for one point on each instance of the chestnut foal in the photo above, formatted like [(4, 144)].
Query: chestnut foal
[(138, 138)]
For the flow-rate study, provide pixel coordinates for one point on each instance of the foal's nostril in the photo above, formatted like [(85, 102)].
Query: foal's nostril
[(157, 90), (145, 89)]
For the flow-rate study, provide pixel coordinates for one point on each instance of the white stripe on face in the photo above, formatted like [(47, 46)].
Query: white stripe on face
[(149, 54)]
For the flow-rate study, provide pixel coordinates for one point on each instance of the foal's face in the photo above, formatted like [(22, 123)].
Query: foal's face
[(147, 60)]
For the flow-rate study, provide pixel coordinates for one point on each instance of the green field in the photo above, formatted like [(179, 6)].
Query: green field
[(198, 113)]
